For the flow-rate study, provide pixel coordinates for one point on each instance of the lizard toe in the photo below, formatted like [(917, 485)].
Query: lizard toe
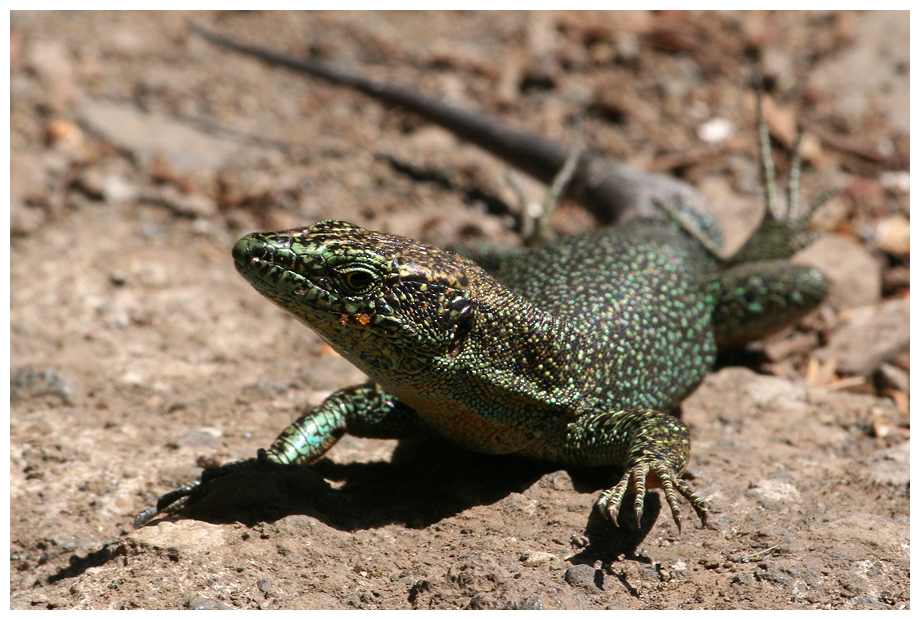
[(635, 479)]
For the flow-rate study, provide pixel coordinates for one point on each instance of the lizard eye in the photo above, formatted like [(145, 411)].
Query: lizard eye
[(357, 279)]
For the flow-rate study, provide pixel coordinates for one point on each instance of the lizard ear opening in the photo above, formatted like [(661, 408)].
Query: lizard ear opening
[(464, 324)]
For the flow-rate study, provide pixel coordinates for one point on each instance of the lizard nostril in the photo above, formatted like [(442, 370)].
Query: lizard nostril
[(246, 249), (241, 250)]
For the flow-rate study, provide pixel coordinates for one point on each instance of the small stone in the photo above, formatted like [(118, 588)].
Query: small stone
[(716, 130), (778, 349), (773, 492), (890, 466), (133, 378), (868, 602), (897, 181), (31, 382), (892, 234), (882, 421), (894, 378), (266, 388), (778, 66), (116, 189), (627, 47), (536, 558), (559, 481), (582, 575), (870, 338), (203, 603), (64, 133), (149, 136), (50, 60), (855, 275), (189, 205), (205, 437), (482, 601), (182, 539), (203, 226), (743, 579), (92, 184)]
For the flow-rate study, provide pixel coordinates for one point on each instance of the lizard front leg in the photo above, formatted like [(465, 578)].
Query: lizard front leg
[(647, 444), (361, 410)]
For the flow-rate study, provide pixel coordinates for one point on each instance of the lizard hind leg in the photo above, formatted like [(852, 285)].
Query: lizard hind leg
[(755, 300), (759, 292)]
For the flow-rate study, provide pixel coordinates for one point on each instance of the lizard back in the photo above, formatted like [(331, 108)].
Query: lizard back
[(638, 293)]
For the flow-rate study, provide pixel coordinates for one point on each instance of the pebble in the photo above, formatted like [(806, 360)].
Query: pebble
[(867, 78), (199, 603), (581, 575), (182, 539), (890, 466), (778, 66), (897, 181), (855, 275), (148, 136), (31, 382), (535, 558), (187, 205), (892, 234), (773, 492), (716, 130), (894, 378), (116, 189), (869, 339)]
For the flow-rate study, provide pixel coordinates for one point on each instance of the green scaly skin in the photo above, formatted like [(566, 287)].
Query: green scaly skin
[(575, 352)]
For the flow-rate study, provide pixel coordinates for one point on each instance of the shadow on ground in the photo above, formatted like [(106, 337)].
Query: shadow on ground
[(425, 483)]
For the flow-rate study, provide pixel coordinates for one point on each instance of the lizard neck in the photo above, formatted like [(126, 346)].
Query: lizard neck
[(514, 333)]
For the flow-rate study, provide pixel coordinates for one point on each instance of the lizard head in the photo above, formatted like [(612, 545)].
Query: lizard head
[(383, 301)]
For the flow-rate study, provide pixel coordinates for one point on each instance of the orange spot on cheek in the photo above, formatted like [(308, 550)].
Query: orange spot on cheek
[(362, 318)]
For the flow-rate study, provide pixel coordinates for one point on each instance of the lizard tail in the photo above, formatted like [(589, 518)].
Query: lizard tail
[(608, 189)]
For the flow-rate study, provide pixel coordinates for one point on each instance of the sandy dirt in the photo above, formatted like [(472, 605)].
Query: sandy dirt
[(138, 355)]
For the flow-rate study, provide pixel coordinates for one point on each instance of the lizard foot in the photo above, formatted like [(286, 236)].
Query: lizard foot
[(784, 228), (634, 479), (176, 499)]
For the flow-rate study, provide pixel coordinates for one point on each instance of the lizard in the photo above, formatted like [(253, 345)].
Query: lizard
[(576, 352)]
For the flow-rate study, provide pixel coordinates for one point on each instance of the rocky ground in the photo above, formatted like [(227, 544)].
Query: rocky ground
[(141, 153)]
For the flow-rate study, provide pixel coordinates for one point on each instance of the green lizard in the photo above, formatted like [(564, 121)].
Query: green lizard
[(575, 352)]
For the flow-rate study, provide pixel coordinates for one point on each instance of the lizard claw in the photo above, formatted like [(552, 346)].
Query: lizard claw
[(176, 499), (634, 479)]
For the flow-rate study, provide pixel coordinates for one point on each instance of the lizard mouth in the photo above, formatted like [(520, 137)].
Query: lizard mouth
[(269, 267), (267, 261)]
